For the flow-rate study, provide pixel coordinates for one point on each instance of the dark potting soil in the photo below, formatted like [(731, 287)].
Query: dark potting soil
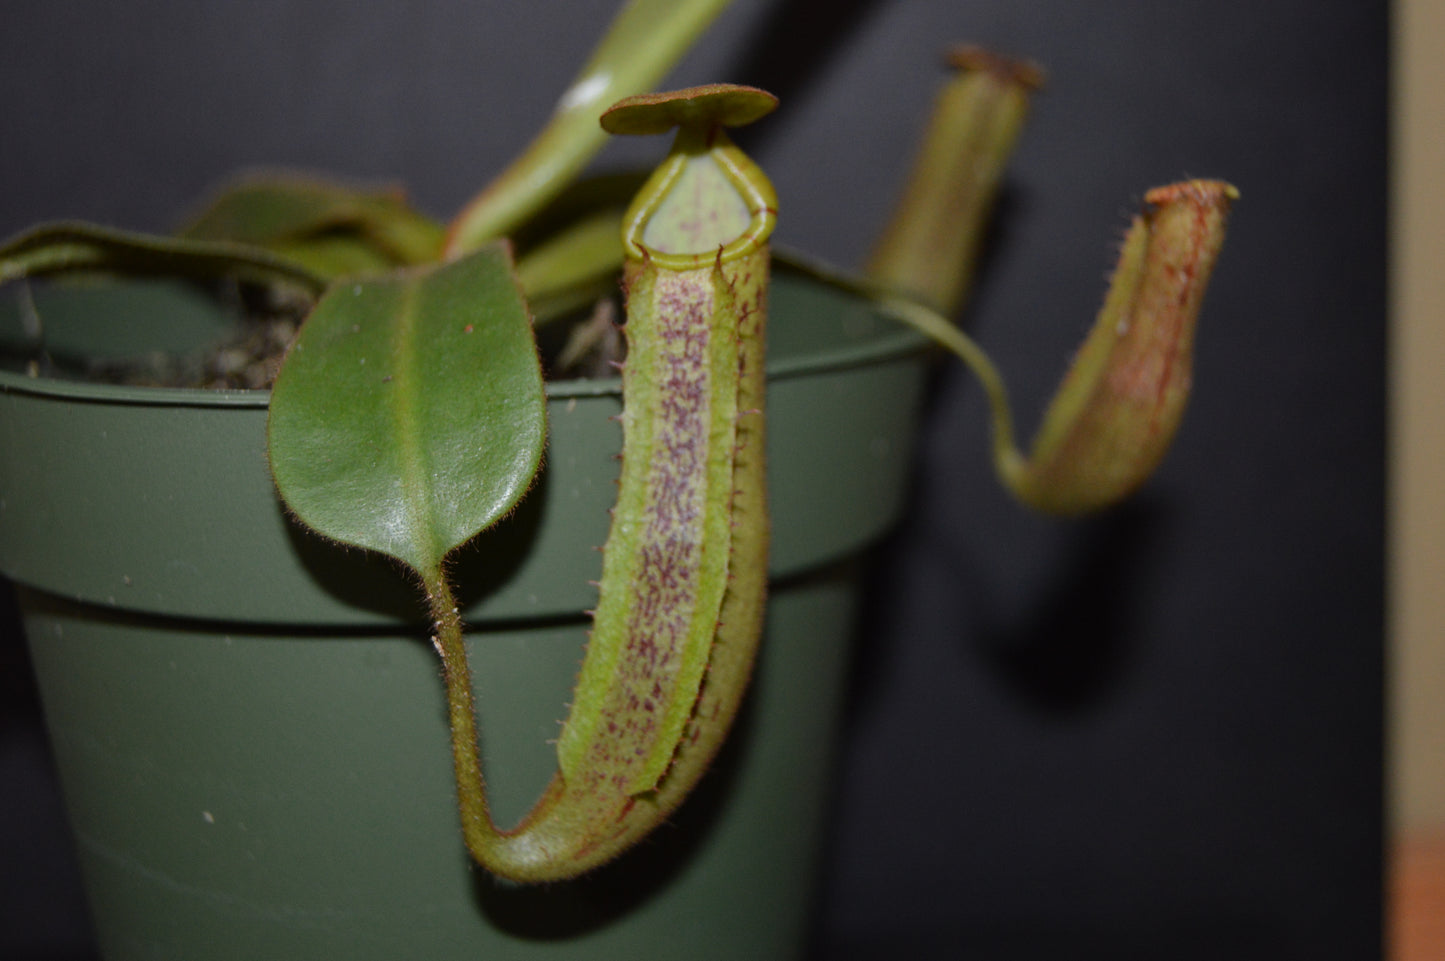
[(585, 345)]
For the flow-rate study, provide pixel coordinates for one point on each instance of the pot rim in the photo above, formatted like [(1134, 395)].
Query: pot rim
[(895, 343)]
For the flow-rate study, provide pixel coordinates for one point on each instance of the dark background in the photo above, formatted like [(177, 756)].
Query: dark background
[(1152, 734)]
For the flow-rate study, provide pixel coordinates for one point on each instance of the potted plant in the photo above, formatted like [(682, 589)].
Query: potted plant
[(409, 417)]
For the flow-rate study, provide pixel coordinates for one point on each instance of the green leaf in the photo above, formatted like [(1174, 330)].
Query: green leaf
[(337, 228), (573, 268), (73, 247), (569, 255), (336, 256), (410, 415)]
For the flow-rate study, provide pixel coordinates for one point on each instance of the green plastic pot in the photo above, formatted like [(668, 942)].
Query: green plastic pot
[(249, 723)]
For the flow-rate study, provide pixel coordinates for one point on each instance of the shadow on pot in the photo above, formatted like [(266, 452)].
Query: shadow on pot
[(368, 581)]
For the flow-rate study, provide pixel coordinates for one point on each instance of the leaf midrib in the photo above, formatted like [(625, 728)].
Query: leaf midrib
[(410, 432)]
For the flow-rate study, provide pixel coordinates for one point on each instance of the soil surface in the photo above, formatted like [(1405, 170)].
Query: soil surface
[(587, 346)]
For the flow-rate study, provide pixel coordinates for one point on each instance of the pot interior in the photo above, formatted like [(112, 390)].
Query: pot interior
[(52, 331)]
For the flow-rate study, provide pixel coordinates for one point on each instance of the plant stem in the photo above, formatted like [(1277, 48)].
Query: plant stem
[(644, 41), (447, 638), (1009, 462)]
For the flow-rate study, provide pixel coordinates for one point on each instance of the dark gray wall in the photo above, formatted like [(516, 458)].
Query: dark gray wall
[(1152, 734)]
